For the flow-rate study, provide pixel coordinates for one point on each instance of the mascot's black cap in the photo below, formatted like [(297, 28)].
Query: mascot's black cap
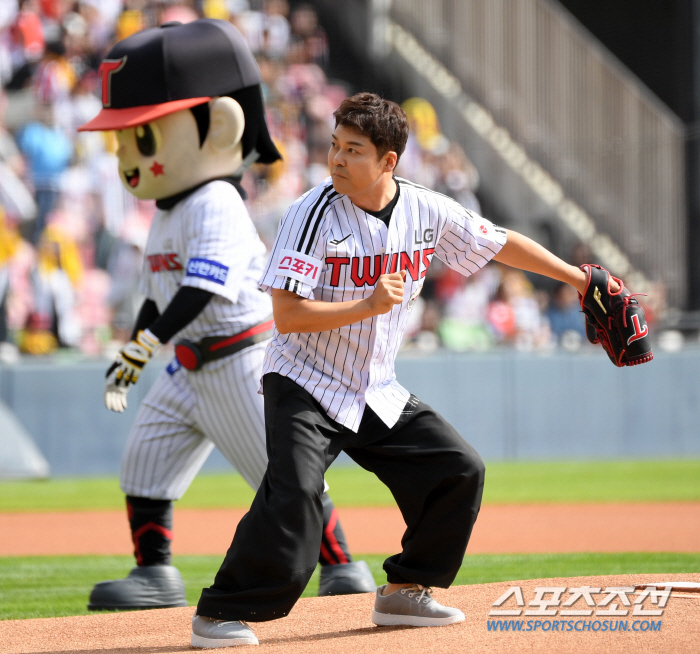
[(172, 67)]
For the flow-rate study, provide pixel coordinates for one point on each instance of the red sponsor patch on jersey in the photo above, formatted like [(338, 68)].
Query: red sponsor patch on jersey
[(299, 266), (165, 262)]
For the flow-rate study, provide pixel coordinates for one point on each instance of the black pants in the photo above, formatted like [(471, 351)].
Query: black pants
[(435, 476)]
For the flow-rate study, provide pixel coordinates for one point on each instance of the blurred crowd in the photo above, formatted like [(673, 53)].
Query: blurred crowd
[(72, 238)]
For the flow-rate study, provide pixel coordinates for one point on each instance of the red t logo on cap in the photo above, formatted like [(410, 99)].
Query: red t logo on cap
[(107, 67)]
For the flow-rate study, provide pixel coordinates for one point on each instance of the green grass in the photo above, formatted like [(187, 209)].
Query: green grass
[(54, 586), (506, 483), (593, 481)]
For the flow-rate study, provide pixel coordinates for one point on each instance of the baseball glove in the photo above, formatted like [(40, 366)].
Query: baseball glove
[(614, 319)]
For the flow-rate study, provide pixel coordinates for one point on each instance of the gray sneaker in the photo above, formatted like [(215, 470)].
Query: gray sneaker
[(412, 606), (208, 633)]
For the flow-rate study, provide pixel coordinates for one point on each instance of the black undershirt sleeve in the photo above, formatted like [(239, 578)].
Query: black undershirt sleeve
[(147, 314), (187, 304)]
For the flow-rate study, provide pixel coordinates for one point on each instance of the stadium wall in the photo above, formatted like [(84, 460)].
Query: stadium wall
[(510, 406)]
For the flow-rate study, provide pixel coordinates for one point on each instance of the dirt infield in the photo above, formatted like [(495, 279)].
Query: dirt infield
[(662, 527), (342, 625)]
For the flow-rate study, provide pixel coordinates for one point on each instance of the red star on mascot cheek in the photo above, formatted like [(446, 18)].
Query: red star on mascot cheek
[(157, 169)]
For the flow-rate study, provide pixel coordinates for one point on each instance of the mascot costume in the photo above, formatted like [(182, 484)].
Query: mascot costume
[(187, 107)]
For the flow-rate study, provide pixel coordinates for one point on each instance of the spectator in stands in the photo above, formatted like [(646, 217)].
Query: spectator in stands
[(464, 325), (57, 270), (101, 17), (8, 11), (268, 31), (9, 152), (424, 137), (131, 20), (124, 267), (16, 200), (565, 318), (48, 152), (292, 50), (26, 43), (309, 42), (515, 315), (458, 177), (9, 243), (54, 80)]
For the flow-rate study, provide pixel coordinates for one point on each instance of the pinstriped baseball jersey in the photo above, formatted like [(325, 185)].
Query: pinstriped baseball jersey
[(185, 414), (331, 250), (208, 241)]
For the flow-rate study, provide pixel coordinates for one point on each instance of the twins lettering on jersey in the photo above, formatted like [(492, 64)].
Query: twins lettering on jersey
[(380, 264), (165, 262), (364, 271)]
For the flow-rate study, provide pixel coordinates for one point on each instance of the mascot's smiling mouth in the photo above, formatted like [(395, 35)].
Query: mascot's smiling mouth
[(132, 177)]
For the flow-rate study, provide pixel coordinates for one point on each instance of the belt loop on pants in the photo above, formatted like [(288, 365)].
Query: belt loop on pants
[(194, 355)]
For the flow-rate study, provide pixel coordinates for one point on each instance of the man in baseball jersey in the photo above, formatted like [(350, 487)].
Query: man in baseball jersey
[(349, 261), (187, 106)]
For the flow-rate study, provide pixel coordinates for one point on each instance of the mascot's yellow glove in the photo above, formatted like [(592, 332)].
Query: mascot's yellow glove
[(126, 369)]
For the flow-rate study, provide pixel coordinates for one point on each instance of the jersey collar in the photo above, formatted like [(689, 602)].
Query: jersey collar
[(168, 203)]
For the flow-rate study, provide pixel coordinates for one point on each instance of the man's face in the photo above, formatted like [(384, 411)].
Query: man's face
[(353, 162), (160, 158)]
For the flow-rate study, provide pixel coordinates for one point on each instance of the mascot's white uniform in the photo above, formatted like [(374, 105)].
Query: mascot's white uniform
[(186, 104)]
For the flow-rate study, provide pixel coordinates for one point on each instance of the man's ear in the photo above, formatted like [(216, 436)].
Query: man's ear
[(391, 159), (226, 123)]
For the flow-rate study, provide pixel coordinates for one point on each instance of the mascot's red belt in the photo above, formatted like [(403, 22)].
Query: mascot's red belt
[(194, 355)]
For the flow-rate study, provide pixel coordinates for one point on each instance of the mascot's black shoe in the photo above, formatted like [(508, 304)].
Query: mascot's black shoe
[(148, 587), (346, 579)]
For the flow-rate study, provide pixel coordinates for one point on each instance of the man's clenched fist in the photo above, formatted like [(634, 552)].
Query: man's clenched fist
[(388, 292)]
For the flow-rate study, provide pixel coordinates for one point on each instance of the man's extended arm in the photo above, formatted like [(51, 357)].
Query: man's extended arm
[(521, 252), (294, 313)]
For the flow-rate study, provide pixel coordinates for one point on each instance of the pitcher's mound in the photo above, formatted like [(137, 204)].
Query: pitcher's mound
[(339, 625)]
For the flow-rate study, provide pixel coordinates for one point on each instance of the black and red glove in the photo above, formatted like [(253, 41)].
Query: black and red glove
[(614, 319)]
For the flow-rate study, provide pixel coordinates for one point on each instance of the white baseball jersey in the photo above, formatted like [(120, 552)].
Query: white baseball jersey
[(185, 414), (208, 241), (331, 250)]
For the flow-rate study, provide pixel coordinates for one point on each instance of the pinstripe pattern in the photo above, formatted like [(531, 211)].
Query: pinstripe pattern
[(186, 413), (344, 369), (211, 224)]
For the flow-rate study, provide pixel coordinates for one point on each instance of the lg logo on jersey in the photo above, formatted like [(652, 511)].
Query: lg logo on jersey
[(428, 236)]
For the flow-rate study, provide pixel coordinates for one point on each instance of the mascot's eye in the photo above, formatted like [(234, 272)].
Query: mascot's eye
[(146, 140)]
